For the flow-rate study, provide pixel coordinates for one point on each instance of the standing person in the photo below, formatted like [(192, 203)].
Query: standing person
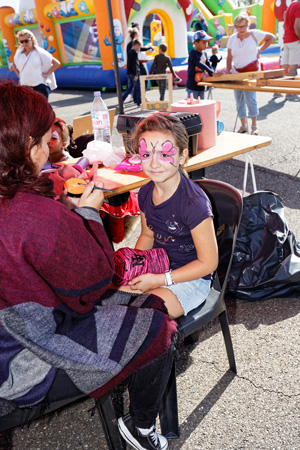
[(136, 26), (159, 66), (134, 33), (62, 332), (133, 73), (214, 60), (291, 42), (198, 64), (34, 66), (243, 56), (176, 215)]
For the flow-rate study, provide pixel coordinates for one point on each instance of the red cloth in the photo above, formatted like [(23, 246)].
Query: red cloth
[(128, 208), (292, 13)]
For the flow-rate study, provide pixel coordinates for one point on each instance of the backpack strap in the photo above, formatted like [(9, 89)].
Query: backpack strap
[(253, 35)]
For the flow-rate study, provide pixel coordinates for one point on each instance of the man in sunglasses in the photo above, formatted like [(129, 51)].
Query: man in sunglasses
[(34, 66)]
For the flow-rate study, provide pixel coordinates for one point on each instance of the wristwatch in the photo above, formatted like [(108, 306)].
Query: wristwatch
[(168, 278)]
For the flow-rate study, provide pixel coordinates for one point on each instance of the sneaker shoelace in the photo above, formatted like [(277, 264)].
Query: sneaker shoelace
[(154, 436)]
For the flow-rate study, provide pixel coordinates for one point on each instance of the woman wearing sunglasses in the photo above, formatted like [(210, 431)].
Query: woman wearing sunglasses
[(244, 50), (34, 66)]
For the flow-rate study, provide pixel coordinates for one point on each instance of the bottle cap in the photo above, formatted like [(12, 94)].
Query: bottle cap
[(82, 164)]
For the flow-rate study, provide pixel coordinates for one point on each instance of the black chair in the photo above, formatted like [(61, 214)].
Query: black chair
[(227, 208)]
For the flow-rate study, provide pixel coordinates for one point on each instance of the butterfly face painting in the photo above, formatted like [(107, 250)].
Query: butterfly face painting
[(165, 152)]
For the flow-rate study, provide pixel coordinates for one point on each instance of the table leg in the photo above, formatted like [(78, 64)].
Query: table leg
[(210, 93), (248, 161)]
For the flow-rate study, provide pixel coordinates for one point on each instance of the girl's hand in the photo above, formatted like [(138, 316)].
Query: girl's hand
[(92, 198), (147, 282)]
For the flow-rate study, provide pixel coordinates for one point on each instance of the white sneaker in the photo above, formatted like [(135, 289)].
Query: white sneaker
[(132, 435)]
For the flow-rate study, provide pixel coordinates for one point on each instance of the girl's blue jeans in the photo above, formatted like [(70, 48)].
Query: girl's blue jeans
[(249, 100)]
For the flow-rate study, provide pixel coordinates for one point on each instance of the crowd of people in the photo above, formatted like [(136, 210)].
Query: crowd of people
[(35, 67)]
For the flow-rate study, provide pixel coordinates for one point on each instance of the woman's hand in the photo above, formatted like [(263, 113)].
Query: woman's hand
[(91, 197), (147, 282)]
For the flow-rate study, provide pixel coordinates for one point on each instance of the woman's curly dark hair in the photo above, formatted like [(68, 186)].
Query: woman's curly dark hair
[(25, 118)]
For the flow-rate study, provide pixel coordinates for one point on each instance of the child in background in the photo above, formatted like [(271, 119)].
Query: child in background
[(214, 60), (198, 64), (133, 73), (176, 215), (119, 212), (60, 136), (159, 66)]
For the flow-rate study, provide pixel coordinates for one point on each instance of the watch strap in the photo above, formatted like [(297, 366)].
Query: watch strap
[(168, 278)]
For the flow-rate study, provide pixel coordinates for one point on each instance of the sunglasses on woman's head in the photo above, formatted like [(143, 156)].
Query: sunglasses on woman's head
[(25, 41)]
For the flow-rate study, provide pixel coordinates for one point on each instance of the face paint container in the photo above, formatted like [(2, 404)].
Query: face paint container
[(81, 164)]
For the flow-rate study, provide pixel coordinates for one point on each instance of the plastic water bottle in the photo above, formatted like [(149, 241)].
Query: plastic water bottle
[(100, 119)]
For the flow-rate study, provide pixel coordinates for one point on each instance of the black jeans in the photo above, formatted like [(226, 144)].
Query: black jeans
[(162, 84), (42, 89), (146, 389)]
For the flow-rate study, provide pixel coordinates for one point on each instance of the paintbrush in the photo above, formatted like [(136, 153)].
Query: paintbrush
[(96, 187)]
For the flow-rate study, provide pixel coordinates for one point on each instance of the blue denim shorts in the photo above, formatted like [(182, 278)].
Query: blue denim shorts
[(191, 293)]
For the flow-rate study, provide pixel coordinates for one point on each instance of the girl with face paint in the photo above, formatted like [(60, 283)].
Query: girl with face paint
[(60, 134), (176, 215)]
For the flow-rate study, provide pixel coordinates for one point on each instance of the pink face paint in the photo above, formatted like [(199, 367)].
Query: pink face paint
[(145, 154), (165, 154)]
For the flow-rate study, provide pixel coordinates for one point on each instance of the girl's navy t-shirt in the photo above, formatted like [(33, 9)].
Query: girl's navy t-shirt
[(173, 220)]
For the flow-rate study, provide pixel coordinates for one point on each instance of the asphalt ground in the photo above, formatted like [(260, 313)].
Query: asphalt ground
[(259, 407)]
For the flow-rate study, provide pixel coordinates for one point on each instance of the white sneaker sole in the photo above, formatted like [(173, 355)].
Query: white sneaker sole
[(133, 442)]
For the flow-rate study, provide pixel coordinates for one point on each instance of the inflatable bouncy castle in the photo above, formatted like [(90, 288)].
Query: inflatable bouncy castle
[(77, 32)]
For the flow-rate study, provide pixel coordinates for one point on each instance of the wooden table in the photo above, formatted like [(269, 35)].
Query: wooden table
[(266, 81), (228, 145), (251, 85)]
